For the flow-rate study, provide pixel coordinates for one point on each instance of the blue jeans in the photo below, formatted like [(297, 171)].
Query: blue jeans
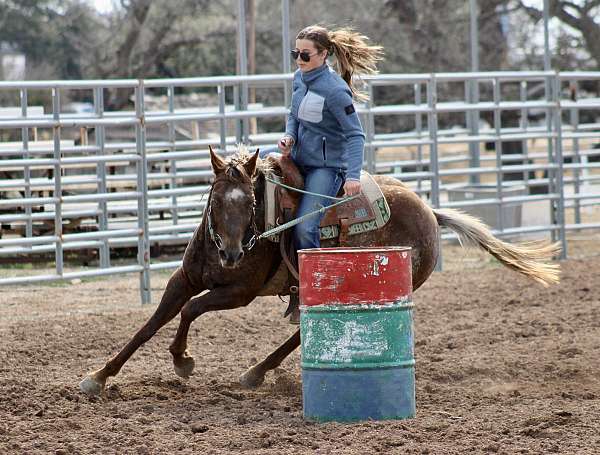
[(321, 180)]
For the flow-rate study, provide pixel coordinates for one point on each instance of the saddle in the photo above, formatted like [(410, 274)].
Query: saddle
[(367, 212)]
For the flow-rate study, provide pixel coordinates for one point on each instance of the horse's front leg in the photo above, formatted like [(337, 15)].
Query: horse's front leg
[(176, 294), (256, 374), (223, 298)]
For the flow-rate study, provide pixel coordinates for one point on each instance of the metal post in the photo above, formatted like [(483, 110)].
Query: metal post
[(547, 61), (433, 154), (101, 173), (419, 128), (371, 158), (243, 62), (142, 188), (524, 124), (560, 212), (26, 168), (552, 189), (574, 121), (498, 146), (222, 125), (57, 183), (473, 90), (548, 90), (474, 34), (172, 162), (433, 126), (238, 106), (285, 43)]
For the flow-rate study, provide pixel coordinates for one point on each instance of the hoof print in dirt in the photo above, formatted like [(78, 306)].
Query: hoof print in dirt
[(199, 428)]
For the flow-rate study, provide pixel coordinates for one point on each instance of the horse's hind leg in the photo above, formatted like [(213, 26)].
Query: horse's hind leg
[(177, 292), (256, 375), (224, 298)]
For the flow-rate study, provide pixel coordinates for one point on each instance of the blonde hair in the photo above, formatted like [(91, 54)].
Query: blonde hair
[(353, 54)]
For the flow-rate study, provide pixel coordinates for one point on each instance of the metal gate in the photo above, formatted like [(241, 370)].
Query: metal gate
[(139, 181)]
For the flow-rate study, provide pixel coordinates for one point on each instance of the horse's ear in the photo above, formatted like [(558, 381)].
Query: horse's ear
[(218, 164), (250, 164)]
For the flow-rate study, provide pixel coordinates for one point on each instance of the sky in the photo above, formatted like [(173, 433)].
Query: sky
[(104, 6)]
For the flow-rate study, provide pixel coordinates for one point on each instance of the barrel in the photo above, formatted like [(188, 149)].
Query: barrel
[(356, 328)]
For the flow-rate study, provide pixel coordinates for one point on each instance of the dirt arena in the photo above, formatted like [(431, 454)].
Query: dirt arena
[(503, 366)]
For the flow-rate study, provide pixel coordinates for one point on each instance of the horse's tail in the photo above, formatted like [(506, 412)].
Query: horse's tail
[(530, 259)]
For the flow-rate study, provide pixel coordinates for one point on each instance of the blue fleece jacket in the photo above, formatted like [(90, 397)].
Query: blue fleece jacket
[(324, 124)]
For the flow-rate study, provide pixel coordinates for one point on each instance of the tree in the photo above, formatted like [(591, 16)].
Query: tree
[(47, 31), (580, 16), (438, 33), (140, 38)]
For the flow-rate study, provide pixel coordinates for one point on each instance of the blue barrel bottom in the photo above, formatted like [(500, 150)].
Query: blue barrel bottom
[(351, 395)]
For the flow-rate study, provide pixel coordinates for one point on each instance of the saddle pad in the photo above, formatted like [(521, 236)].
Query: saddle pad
[(379, 205)]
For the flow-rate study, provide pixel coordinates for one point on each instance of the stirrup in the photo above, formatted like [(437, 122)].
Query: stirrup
[(293, 309), (295, 316)]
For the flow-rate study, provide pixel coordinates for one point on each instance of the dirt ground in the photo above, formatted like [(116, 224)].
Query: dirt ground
[(503, 366)]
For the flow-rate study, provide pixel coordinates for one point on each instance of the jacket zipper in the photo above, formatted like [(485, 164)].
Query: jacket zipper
[(324, 142)]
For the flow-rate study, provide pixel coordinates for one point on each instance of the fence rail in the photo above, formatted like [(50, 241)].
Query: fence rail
[(143, 186)]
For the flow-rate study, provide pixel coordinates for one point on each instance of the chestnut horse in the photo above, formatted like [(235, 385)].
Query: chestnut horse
[(223, 259)]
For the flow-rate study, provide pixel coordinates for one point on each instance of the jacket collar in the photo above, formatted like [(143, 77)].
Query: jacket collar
[(312, 75)]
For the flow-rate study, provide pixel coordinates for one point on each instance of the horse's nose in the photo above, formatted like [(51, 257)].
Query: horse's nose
[(230, 257)]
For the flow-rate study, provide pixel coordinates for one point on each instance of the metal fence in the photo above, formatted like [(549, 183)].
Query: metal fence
[(62, 196)]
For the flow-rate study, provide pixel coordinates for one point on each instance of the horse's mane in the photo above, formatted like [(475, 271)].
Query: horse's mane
[(236, 161)]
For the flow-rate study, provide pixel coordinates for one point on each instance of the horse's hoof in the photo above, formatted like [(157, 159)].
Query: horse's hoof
[(91, 387), (251, 380), (184, 367)]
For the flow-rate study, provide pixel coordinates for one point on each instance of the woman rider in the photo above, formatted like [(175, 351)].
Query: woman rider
[(323, 133)]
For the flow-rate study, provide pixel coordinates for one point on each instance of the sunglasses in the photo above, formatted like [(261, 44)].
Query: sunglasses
[(304, 56)]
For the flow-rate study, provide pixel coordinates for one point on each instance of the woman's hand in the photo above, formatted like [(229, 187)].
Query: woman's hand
[(285, 145), (351, 187)]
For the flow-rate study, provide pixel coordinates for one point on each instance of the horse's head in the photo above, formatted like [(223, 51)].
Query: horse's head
[(231, 206)]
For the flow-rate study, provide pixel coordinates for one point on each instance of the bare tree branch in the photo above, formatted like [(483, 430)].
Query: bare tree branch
[(589, 29), (590, 5), (569, 4)]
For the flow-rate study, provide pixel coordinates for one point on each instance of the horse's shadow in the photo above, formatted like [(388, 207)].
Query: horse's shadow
[(281, 385)]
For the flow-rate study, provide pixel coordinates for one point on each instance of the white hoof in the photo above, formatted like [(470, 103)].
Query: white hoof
[(91, 387), (251, 380)]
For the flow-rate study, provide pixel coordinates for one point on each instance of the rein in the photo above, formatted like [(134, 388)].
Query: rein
[(295, 221)]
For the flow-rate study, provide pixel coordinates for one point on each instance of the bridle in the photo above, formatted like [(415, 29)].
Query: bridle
[(251, 232)]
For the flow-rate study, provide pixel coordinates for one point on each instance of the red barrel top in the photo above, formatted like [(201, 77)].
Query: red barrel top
[(350, 276)]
